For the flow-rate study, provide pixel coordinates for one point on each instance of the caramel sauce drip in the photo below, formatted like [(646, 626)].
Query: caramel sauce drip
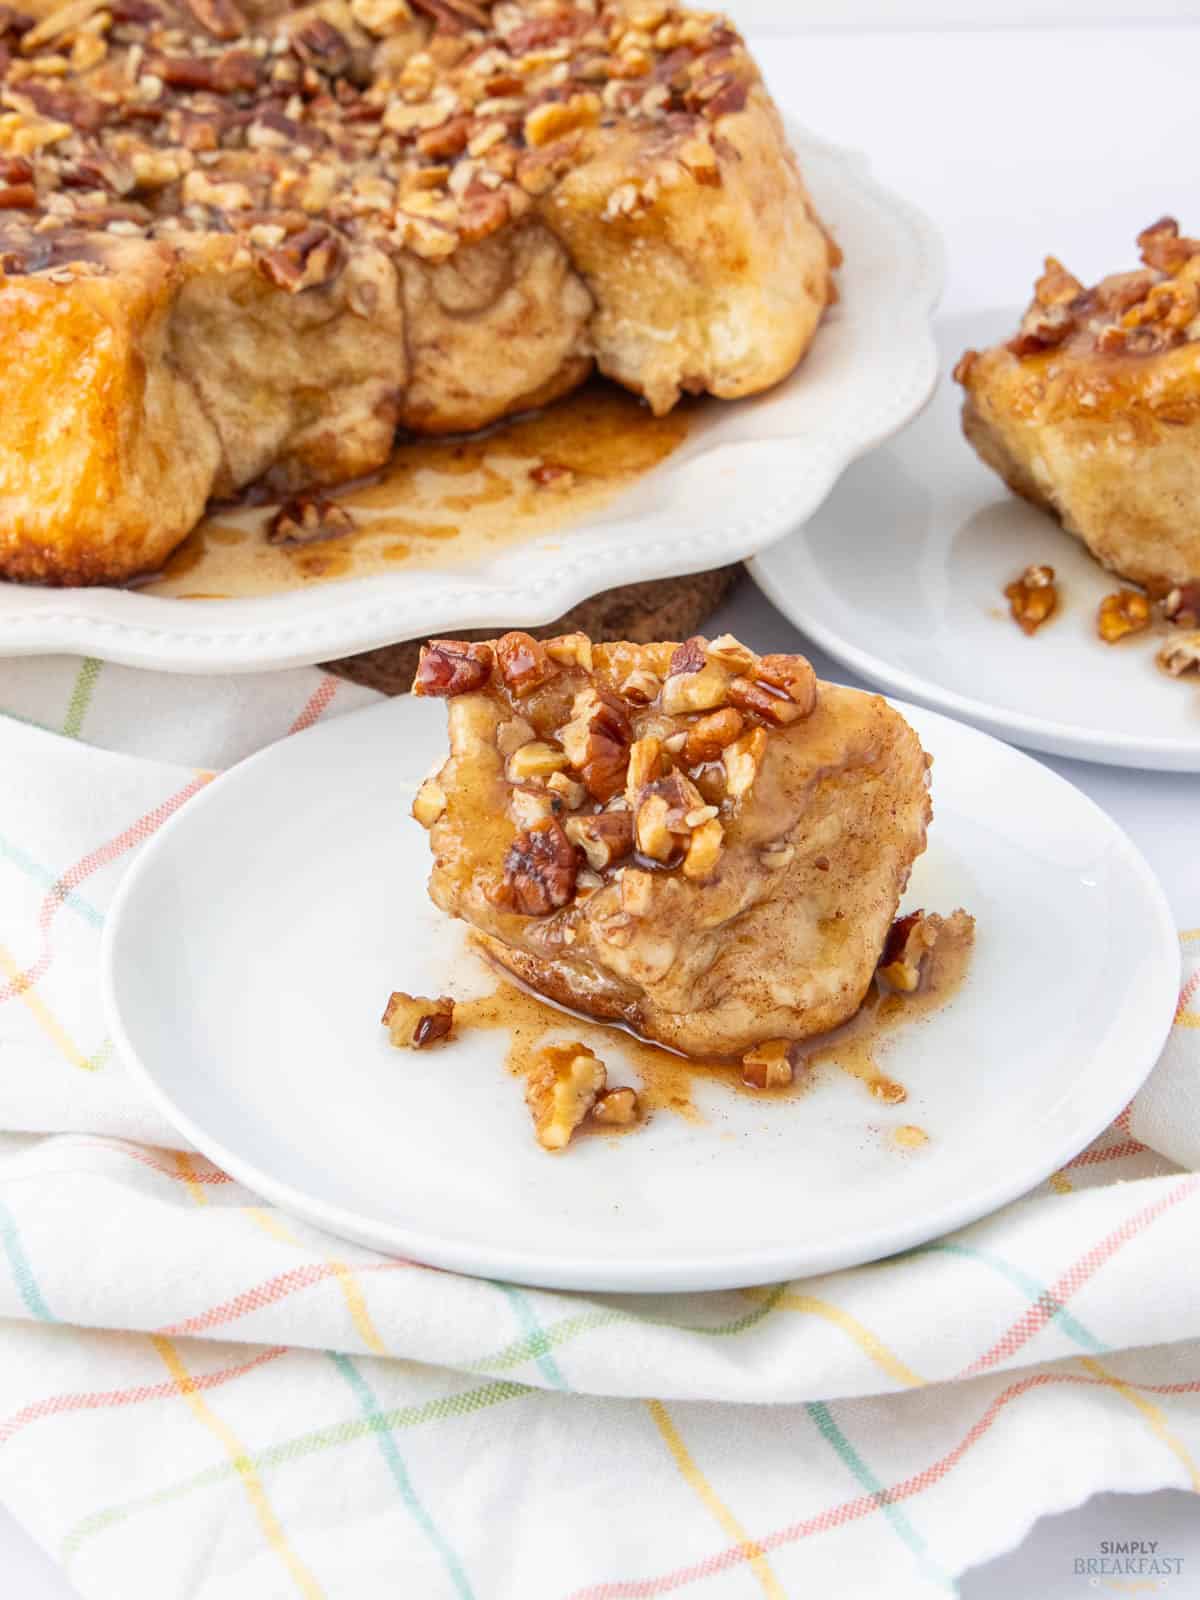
[(854, 1047), (443, 501), (667, 1080)]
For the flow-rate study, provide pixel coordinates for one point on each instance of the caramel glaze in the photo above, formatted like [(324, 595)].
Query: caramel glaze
[(441, 501), (667, 1079), (1131, 389)]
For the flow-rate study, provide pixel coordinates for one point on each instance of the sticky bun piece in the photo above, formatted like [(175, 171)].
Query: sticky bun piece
[(698, 841), (1093, 409), (242, 240)]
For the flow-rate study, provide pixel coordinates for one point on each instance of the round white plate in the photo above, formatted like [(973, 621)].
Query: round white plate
[(250, 951), (900, 575), (747, 473)]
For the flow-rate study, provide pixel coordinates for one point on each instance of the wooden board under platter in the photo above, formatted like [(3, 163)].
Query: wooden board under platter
[(672, 608)]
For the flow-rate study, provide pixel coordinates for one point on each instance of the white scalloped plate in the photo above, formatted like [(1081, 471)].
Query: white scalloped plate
[(747, 475)]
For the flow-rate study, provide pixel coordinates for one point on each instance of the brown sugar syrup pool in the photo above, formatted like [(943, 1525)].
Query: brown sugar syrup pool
[(441, 501), (667, 1079)]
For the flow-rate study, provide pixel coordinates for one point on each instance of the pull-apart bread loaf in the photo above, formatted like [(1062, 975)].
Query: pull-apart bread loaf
[(242, 242), (705, 844)]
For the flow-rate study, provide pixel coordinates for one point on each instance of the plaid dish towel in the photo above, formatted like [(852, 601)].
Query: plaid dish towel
[(202, 1397)]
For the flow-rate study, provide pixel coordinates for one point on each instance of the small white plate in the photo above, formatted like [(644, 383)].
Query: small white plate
[(900, 575), (747, 473), (250, 951)]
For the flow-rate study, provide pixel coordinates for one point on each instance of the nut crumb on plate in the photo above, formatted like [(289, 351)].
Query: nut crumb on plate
[(1180, 656), (1032, 598), (1121, 614), (415, 1023), (561, 1091)]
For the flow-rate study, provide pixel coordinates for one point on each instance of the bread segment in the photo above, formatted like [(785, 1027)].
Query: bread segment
[(243, 243)]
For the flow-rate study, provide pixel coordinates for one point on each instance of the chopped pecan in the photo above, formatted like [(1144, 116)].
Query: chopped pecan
[(14, 22), (18, 197), (306, 518), (571, 650), (707, 737), (700, 689), (221, 18), (454, 16), (452, 666), (322, 46), (616, 1109), (236, 71), (731, 653), (561, 1090), (604, 838), (1032, 598), (682, 797), (524, 663), (742, 760), (414, 1023), (1121, 614), (538, 33), (531, 803), (430, 803), (96, 174), (769, 1065), (448, 140), (597, 741), (771, 704), (655, 837), (1162, 248), (1182, 606), (535, 760), (731, 95), (306, 261), (1056, 286), (15, 169), (644, 765), (571, 794), (554, 119), (1180, 655), (689, 657), (540, 868), (909, 941), (793, 675), (188, 72), (704, 850)]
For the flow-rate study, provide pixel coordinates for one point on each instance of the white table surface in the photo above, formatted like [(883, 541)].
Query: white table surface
[(1018, 142)]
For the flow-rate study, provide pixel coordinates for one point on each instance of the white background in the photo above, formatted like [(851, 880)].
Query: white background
[(1018, 140), (797, 15)]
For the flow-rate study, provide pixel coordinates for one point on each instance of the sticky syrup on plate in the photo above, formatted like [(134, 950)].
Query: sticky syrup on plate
[(666, 1081), (449, 502)]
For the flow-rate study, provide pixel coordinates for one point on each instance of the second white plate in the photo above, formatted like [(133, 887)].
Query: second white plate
[(250, 951), (900, 576)]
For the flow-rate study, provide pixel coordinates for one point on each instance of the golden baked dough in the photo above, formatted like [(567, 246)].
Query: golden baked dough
[(1093, 409), (702, 843), (249, 242)]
